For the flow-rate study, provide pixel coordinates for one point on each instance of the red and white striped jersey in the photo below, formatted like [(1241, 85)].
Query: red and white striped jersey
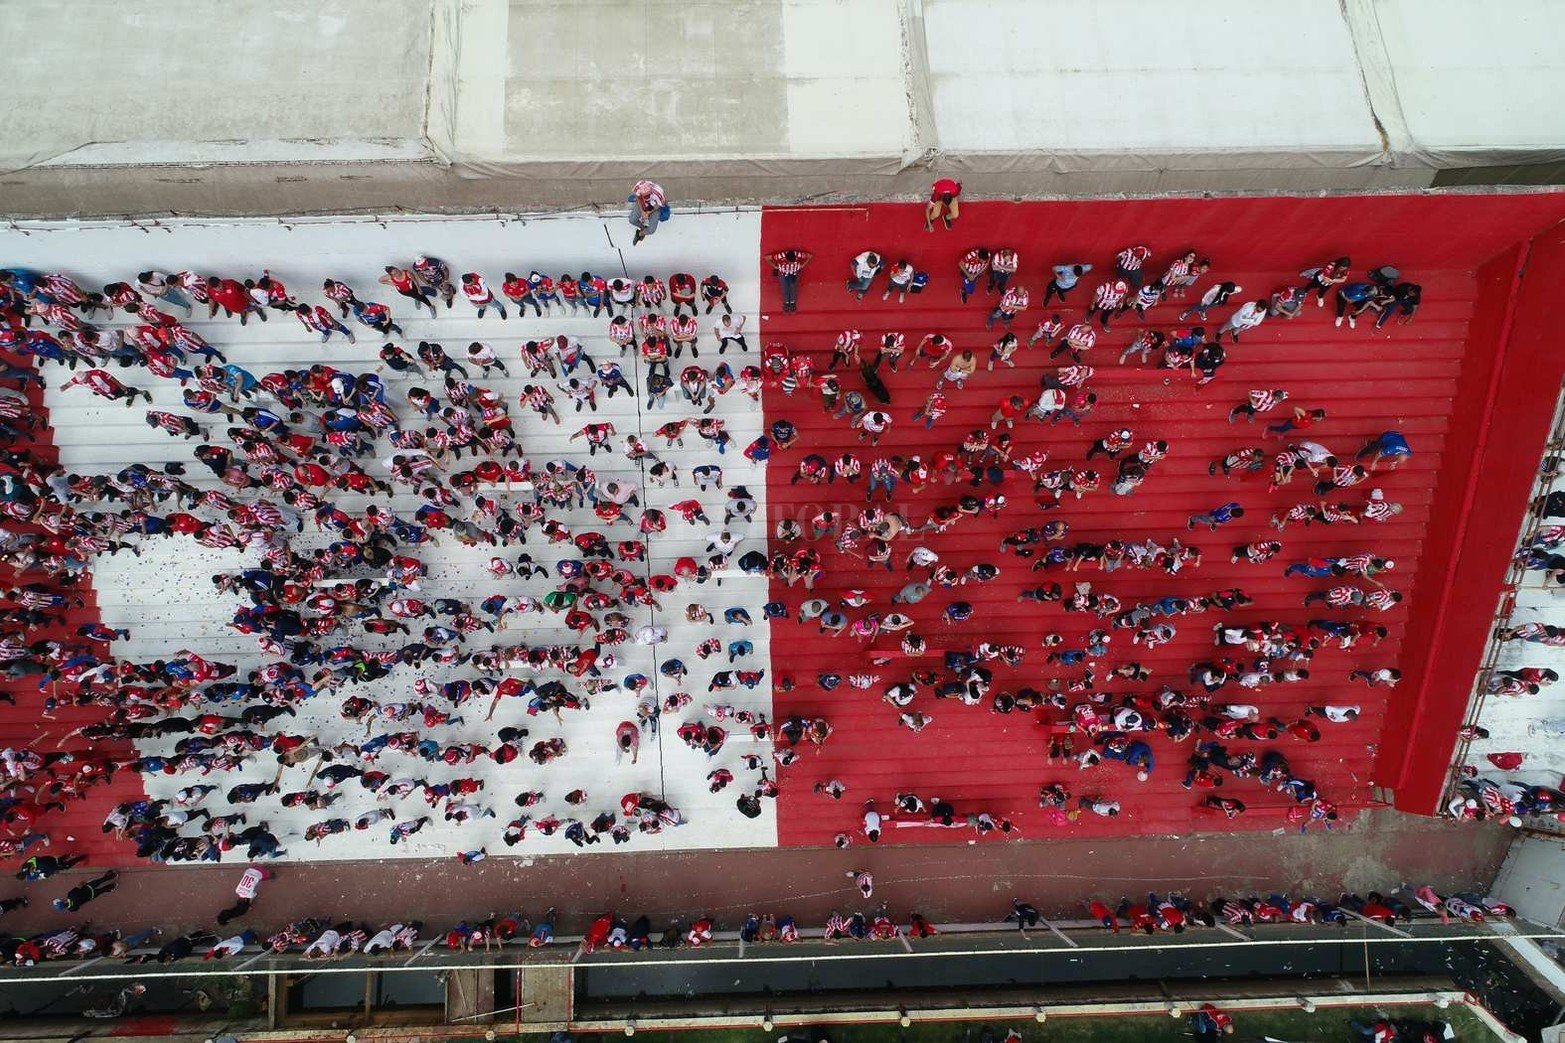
[(1337, 514), (649, 192), (191, 283), (1383, 600), (1081, 336), (1358, 563), (125, 294), (1381, 510), (1110, 294), (1132, 258), (1344, 477), (1261, 401), (62, 289), (1014, 300), (1342, 597), (973, 264), (1004, 260)]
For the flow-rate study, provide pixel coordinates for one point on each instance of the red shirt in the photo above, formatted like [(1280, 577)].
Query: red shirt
[(945, 187)]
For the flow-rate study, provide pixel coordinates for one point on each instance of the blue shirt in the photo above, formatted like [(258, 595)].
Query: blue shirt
[(1065, 274)]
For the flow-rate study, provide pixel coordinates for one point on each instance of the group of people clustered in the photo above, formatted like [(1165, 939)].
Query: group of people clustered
[(303, 445), (296, 454), (1097, 725), (1476, 796)]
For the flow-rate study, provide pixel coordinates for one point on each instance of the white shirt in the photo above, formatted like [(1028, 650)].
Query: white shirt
[(617, 492), (383, 940), (326, 945), (1341, 714), (249, 882), (228, 947), (732, 328), (1249, 315), (863, 268), (1314, 452)]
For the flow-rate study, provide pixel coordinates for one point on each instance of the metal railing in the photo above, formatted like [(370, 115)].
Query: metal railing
[(955, 941), (1532, 521)]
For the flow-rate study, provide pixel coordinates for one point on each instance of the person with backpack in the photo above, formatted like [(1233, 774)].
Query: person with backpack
[(648, 208)]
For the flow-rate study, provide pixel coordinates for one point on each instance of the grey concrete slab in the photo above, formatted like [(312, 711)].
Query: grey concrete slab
[(612, 78), (167, 76)]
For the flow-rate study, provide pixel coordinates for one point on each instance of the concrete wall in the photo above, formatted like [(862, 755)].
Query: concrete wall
[(431, 105), (1533, 879), (136, 82)]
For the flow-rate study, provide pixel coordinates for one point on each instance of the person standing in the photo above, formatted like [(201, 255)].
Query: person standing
[(1319, 280), (1261, 400), (944, 203), (1066, 276), (786, 265), (1129, 262), (479, 295), (1108, 300), (1219, 515), (1215, 297), (647, 203), (1012, 303), (1002, 265), (1247, 316), (407, 284)]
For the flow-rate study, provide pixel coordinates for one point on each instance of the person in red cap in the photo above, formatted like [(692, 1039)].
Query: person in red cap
[(944, 203)]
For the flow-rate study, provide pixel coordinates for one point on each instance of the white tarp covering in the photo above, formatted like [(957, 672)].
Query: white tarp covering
[(296, 105)]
